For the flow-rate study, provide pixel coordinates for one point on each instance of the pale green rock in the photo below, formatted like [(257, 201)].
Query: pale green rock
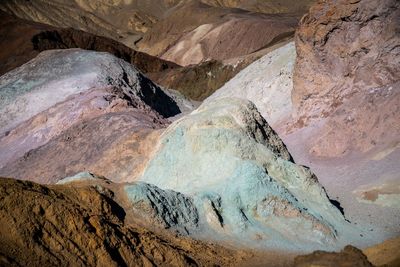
[(243, 181)]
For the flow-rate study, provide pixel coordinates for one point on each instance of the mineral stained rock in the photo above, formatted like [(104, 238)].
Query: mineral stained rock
[(73, 110), (169, 208), (243, 181), (38, 85), (354, 148), (84, 225), (348, 70)]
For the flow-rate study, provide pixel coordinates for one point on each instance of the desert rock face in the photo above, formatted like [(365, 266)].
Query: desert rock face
[(73, 72), (84, 225), (23, 40), (349, 256), (348, 69), (353, 149), (86, 111), (111, 165), (346, 99), (267, 83), (243, 181), (196, 32), (129, 21)]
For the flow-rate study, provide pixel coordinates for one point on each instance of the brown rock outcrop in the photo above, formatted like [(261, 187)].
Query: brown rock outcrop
[(348, 71), (385, 254), (349, 256), (63, 225)]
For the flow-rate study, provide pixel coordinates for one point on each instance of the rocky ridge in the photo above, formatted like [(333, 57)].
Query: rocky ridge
[(85, 225), (242, 180), (353, 148), (59, 111), (348, 59), (195, 82)]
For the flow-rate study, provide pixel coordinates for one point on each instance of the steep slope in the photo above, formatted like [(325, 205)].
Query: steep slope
[(27, 39), (128, 21), (84, 225), (349, 135), (22, 40), (85, 107), (72, 72), (347, 92), (243, 183), (196, 32), (267, 83), (351, 51), (262, 6), (197, 82)]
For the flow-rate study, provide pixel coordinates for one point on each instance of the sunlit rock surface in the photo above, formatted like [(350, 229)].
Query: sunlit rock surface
[(267, 83), (74, 110), (243, 180), (54, 75), (340, 114)]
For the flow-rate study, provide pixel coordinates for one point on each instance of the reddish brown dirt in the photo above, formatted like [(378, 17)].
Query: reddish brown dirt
[(84, 226), (385, 254)]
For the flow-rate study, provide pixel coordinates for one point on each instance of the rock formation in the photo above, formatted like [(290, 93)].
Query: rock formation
[(349, 256), (129, 21), (85, 225), (135, 177), (85, 220), (22, 40), (353, 147), (27, 39), (347, 95), (267, 83), (348, 70), (243, 181), (86, 110), (196, 32)]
